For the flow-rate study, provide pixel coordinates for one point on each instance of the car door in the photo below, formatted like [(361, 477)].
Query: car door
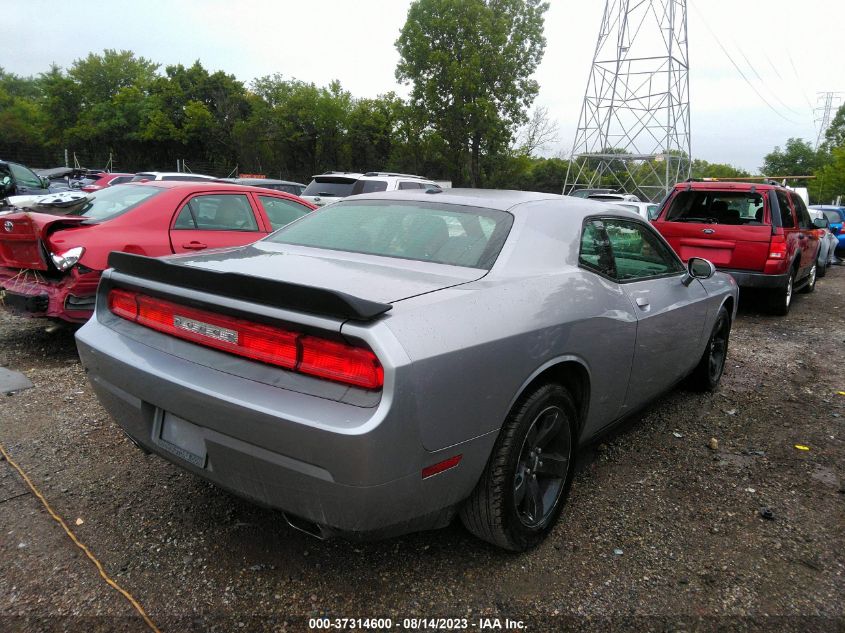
[(215, 220), (809, 235), (670, 315), (26, 181)]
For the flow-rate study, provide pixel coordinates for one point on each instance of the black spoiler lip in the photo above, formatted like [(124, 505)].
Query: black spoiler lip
[(277, 294)]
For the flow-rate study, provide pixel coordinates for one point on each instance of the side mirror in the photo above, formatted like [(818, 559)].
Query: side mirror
[(45, 182), (835, 230), (6, 185), (821, 223), (698, 268)]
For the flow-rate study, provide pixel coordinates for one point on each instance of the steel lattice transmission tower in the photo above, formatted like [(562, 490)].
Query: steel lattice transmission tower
[(634, 129), (830, 102)]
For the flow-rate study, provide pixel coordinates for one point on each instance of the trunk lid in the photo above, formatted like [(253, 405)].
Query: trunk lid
[(727, 246), (22, 236), (369, 277)]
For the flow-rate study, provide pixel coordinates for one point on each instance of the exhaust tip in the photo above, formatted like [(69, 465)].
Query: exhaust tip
[(308, 527)]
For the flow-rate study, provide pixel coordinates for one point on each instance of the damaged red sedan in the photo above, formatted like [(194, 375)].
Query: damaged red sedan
[(50, 265)]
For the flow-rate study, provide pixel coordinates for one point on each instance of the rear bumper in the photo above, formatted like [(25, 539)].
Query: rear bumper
[(32, 294), (352, 471), (747, 279)]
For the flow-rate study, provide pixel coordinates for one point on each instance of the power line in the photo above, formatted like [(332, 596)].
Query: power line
[(739, 70)]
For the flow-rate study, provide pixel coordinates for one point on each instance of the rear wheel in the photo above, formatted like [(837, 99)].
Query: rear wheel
[(522, 491), (781, 298), (811, 280), (821, 269), (708, 372)]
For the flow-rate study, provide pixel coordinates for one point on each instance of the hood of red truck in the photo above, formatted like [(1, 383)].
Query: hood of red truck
[(22, 238)]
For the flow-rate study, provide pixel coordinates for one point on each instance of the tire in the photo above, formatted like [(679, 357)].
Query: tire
[(511, 506), (708, 372), (781, 299), (821, 269), (811, 280)]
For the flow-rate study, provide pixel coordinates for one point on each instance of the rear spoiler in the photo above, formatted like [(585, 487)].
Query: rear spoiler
[(277, 294)]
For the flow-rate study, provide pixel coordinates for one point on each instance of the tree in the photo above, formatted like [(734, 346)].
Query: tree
[(797, 158), (538, 133), (470, 64), (703, 169)]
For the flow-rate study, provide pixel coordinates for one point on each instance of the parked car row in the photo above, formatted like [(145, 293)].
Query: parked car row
[(405, 354)]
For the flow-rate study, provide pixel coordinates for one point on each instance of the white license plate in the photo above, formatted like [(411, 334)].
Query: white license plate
[(183, 439)]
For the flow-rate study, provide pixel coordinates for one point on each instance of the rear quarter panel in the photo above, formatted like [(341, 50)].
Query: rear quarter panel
[(473, 349)]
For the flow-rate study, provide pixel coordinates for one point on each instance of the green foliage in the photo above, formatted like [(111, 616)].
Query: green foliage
[(703, 169), (797, 158), (470, 64)]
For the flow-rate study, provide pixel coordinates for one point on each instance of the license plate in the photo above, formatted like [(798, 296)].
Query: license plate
[(183, 439)]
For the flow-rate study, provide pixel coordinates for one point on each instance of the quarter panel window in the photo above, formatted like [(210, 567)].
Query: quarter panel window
[(282, 212), (595, 249)]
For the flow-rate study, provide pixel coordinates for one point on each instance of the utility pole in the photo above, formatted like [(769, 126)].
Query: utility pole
[(634, 128), (830, 102)]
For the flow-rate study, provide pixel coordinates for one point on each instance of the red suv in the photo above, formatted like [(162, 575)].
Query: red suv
[(761, 234)]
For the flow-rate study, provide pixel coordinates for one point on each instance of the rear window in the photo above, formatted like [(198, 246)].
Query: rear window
[(113, 201), (368, 186), (142, 176), (717, 207), (445, 234), (334, 186)]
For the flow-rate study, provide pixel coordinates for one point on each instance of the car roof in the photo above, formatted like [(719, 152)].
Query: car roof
[(721, 185), (268, 181), (173, 173), (516, 202), (201, 185)]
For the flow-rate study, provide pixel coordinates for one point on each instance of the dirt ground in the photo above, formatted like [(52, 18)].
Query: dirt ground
[(661, 532)]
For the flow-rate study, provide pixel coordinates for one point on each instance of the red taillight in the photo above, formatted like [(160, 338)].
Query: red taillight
[(306, 354), (777, 248), (123, 304), (439, 467), (338, 361)]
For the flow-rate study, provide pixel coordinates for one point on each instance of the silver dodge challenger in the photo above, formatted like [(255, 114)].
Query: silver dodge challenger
[(395, 359)]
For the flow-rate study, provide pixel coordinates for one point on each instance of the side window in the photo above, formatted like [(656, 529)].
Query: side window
[(120, 179), (637, 252), (804, 219), (24, 176), (281, 211), (786, 219), (595, 249), (411, 185), (223, 213)]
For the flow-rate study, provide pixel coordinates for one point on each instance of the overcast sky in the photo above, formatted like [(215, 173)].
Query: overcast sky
[(788, 51)]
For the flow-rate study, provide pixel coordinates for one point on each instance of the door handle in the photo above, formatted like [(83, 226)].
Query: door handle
[(801, 236), (642, 302), (194, 246)]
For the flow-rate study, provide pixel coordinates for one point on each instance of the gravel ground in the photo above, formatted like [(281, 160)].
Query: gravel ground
[(661, 532)]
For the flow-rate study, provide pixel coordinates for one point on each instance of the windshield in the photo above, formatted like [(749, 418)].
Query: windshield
[(336, 186), (112, 201), (832, 216), (445, 234), (717, 207)]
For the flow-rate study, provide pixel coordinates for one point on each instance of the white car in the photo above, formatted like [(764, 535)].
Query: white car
[(333, 186), (170, 175), (646, 210)]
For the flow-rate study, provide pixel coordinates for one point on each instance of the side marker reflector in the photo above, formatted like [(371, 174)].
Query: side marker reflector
[(439, 467)]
